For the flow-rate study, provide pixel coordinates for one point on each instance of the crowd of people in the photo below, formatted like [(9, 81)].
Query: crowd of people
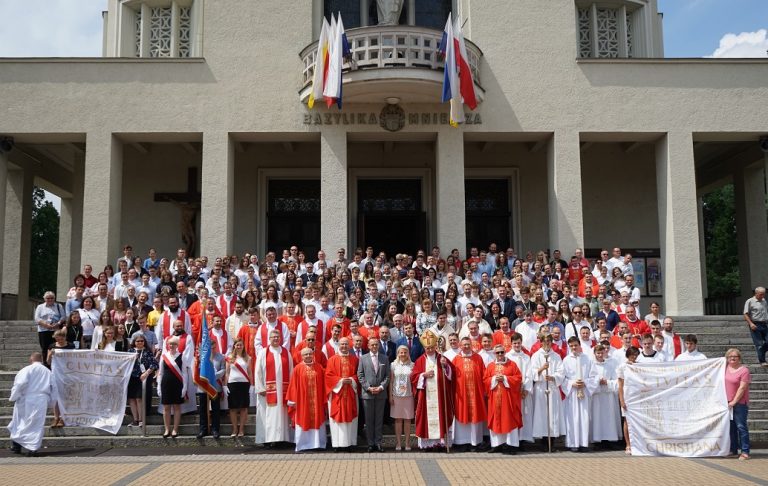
[(488, 352)]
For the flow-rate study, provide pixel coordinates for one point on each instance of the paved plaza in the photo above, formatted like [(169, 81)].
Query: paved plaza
[(250, 466)]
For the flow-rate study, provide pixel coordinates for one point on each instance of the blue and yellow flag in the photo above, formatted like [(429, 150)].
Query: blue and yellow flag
[(205, 374)]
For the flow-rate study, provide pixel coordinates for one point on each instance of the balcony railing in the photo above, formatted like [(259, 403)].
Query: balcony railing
[(389, 47)]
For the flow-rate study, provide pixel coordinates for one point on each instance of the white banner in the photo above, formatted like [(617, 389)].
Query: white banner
[(678, 408), (91, 387)]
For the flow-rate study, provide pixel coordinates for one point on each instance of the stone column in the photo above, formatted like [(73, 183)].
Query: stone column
[(218, 195), (334, 211), (678, 225), (751, 227), (102, 202), (3, 185), (18, 229), (70, 230), (566, 213), (449, 179)]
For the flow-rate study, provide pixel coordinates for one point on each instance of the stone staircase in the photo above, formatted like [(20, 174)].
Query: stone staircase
[(18, 340)]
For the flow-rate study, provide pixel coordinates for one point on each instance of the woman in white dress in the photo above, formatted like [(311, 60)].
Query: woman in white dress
[(401, 404)]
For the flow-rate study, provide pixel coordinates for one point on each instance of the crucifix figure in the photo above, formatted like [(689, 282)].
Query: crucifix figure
[(189, 204)]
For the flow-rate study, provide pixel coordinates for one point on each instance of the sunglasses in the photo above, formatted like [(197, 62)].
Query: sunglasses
[(499, 353)]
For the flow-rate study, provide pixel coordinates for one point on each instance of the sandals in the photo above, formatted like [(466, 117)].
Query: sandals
[(57, 424), (744, 457)]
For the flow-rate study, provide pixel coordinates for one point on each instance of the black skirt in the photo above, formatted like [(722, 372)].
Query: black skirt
[(238, 394), (171, 387), (134, 387)]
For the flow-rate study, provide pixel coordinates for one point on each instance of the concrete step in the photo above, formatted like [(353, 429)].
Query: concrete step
[(137, 441), (152, 430)]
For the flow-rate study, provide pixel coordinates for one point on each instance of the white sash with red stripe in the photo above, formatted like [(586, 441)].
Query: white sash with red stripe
[(170, 363)]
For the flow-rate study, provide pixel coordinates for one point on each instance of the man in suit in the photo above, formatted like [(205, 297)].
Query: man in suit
[(308, 276), (373, 373), (387, 346), (185, 298), (412, 342)]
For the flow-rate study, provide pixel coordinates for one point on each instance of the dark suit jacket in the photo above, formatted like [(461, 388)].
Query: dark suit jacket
[(369, 377), (507, 307), (416, 348), (191, 299), (391, 350), (139, 310)]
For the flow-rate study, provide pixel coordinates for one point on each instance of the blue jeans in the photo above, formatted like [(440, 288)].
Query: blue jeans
[(739, 431)]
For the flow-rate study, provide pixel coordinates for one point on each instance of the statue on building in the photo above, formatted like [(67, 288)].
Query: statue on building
[(389, 11)]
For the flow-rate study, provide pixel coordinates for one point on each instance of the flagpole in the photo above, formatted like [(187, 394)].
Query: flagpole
[(208, 410)]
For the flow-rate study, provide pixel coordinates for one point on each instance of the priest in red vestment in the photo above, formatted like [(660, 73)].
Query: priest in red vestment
[(503, 382), (307, 403), (310, 343), (197, 319), (470, 397), (342, 385), (433, 387)]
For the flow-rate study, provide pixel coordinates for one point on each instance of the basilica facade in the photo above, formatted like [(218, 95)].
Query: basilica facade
[(193, 131)]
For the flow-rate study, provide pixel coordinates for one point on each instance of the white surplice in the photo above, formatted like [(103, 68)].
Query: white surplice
[(556, 420), (577, 410), (606, 416), (31, 393), (523, 362), (272, 422)]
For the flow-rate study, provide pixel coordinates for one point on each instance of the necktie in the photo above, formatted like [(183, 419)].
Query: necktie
[(409, 343), (375, 363)]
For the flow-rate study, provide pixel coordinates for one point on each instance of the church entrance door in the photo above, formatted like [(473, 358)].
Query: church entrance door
[(293, 215), (390, 215)]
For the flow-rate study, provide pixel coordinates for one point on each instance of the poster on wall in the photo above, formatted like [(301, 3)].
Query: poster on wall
[(653, 274), (638, 268)]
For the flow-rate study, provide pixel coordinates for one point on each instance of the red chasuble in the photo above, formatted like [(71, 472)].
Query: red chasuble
[(343, 403), (197, 324), (504, 414), (445, 407), (319, 356), (307, 391), (470, 393)]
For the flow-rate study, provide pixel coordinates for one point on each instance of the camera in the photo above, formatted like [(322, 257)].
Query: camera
[(6, 144), (764, 144)]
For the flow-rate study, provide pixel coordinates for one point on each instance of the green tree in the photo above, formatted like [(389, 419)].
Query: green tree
[(44, 251), (722, 253)]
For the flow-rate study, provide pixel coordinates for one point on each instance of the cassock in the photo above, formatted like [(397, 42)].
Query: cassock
[(606, 415), (556, 420), (470, 399), (504, 414), (31, 393), (307, 397), (342, 399), (523, 362), (433, 416), (576, 407), (272, 375)]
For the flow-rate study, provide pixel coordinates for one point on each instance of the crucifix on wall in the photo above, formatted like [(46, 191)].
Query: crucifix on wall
[(189, 204)]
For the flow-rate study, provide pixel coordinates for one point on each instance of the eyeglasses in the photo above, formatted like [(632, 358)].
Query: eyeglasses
[(310, 340)]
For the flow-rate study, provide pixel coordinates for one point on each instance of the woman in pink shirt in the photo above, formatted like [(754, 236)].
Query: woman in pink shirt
[(737, 379)]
